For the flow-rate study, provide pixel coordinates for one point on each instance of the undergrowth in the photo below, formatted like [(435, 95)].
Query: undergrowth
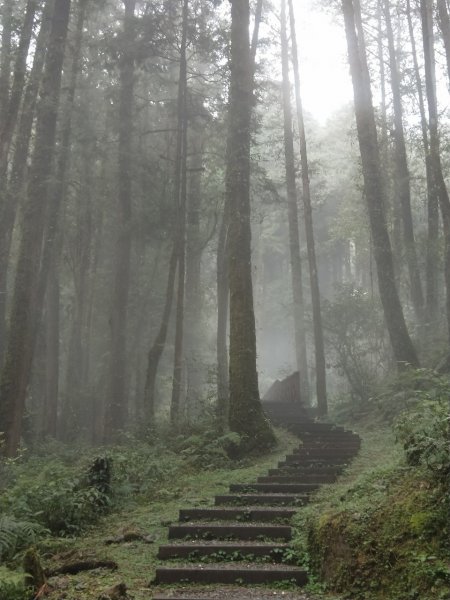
[(383, 532)]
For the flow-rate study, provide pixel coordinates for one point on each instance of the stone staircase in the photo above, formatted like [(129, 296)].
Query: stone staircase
[(244, 537)]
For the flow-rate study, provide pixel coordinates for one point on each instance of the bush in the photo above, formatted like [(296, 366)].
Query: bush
[(425, 430), (12, 586)]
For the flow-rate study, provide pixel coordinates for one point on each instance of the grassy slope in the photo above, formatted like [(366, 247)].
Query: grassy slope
[(381, 532)]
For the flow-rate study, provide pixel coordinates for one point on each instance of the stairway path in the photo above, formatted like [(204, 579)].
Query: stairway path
[(242, 539)]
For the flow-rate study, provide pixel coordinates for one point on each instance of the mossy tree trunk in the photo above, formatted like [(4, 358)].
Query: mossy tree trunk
[(245, 413)]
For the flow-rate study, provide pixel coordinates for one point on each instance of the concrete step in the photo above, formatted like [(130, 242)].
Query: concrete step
[(230, 573), (240, 531), (249, 513), (284, 478), (271, 488), (223, 550), (278, 499)]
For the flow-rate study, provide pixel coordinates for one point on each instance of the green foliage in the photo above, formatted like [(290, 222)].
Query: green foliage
[(425, 429), (355, 331), (17, 534), (12, 586)]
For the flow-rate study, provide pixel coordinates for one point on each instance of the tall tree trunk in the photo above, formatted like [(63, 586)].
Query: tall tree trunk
[(222, 321), (294, 236), (15, 374), (223, 289), (52, 353), (180, 203), (15, 185), (432, 255), (116, 410), (20, 69), (402, 179), (321, 382), (53, 235), (155, 352), (444, 23), (402, 346), (193, 283), (245, 412), (5, 58), (439, 187)]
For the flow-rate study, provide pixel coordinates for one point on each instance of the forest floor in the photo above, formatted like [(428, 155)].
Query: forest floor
[(137, 559)]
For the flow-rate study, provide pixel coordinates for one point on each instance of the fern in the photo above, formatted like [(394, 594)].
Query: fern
[(16, 534)]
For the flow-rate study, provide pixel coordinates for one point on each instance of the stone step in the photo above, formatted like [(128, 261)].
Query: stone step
[(326, 461), (329, 443), (270, 499), (230, 573), (320, 452), (333, 471), (229, 592), (223, 550), (211, 531), (250, 513), (283, 478), (280, 488)]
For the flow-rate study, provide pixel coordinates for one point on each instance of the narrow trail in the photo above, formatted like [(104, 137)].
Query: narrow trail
[(243, 539)]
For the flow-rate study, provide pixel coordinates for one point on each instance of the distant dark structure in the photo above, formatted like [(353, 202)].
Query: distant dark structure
[(286, 390), (282, 403)]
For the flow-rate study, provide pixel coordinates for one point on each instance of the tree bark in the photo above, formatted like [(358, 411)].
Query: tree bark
[(294, 236), (5, 58), (15, 374), (14, 187), (20, 69), (444, 23), (155, 352), (321, 381), (193, 281), (432, 254), (438, 183), (116, 407), (404, 352), (402, 179), (180, 203), (245, 413)]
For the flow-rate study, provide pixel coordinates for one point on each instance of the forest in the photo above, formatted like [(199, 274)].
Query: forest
[(201, 202)]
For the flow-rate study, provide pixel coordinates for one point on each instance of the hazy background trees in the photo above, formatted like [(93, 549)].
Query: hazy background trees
[(115, 221)]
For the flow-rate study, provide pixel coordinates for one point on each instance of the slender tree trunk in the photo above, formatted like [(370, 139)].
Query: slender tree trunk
[(52, 353), (155, 352), (180, 203), (321, 382), (439, 187), (245, 412), (20, 69), (5, 58), (444, 23), (116, 411), (15, 373), (15, 185), (193, 283), (294, 236), (222, 321), (402, 176), (432, 256), (402, 346)]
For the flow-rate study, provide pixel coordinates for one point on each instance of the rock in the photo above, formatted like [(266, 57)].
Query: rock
[(116, 592)]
